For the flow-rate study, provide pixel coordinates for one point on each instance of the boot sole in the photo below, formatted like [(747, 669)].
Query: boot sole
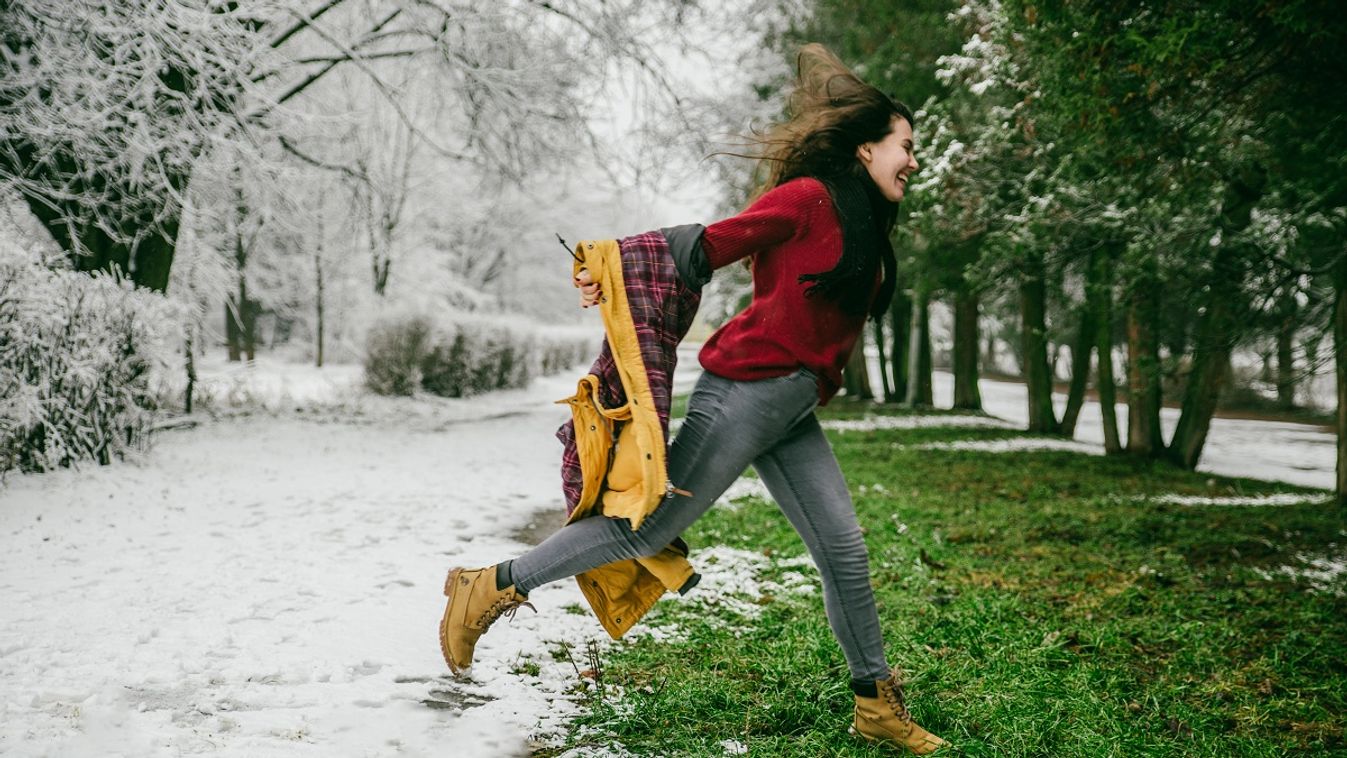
[(880, 740), (444, 621)]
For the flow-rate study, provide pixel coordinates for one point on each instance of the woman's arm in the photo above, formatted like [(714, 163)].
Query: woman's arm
[(777, 216)]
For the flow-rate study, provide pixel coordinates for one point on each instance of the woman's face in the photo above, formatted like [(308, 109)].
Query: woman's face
[(890, 160)]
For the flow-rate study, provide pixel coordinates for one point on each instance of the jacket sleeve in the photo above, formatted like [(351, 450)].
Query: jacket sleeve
[(685, 245), (777, 216)]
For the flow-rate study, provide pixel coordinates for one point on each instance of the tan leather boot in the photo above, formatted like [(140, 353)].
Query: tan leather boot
[(885, 719), (474, 603)]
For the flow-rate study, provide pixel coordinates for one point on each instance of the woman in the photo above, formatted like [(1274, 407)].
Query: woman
[(817, 238)]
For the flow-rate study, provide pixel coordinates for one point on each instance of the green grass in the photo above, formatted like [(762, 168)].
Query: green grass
[(1039, 605)]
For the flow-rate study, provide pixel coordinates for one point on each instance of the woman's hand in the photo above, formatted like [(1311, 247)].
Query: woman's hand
[(589, 289)]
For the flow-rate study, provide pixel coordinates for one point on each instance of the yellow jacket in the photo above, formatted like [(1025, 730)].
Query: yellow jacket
[(631, 474)]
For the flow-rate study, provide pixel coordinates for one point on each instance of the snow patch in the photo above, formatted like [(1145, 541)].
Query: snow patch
[(743, 488), (1324, 573), (1275, 499), (732, 591), (733, 747), (1013, 445), (872, 423)]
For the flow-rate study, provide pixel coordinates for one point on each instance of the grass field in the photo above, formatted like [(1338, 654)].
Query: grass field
[(1040, 603)]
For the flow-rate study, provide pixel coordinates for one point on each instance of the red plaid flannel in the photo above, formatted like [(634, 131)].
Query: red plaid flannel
[(662, 308)]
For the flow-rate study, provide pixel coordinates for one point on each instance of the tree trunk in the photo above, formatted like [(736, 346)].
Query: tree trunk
[(1037, 374), (1086, 336), (925, 382), (238, 329), (1340, 364), (380, 268), (1286, 334), (900, 314), (379, 253), (233, 330), (190, 354), (241, 324), (883, 360), (1143, 375), (250, 329), (856, 376), (1101, 279), (1217, 327), (919, 356), (966, 394), (1210, 369), (989, 354), (146, 262), (318, 271), (1080, 367)]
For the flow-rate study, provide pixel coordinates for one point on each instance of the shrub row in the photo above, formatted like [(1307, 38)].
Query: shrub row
[(464, 356), (76, 352)]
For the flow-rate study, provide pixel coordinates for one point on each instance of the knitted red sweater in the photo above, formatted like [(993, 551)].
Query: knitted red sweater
[(789, 231)]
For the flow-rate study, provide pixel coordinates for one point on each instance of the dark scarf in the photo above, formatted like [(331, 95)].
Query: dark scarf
[(865, 244)]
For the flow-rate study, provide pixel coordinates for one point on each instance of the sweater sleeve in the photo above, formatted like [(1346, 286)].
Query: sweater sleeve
[(777, 216)]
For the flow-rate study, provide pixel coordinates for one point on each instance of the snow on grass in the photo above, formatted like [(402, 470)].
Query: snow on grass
[(1324, 573), (733, 585), (746, 488), (1274, 499), (743, 488), (616, 750), (733, 747), (935, 420), (1012, 445)]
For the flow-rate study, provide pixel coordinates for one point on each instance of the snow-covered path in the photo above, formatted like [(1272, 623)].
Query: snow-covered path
[(271, 586)]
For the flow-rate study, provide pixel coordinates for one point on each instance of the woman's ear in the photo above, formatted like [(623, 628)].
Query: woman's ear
[(864, 154)]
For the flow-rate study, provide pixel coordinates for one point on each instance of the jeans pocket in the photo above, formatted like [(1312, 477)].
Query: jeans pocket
[(797, 375), (799, 395)]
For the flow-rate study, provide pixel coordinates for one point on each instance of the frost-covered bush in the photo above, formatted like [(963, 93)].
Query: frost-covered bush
[(395, 353), (465, 355), (76, 352)]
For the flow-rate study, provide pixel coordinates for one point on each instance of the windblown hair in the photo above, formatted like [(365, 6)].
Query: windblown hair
[(830, 113)]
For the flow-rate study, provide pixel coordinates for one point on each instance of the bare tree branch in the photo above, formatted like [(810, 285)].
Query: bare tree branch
[(368, 57), (303, 23), (350, 54), (316, 163)]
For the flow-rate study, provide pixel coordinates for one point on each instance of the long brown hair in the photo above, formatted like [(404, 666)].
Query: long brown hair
[(829, 114)]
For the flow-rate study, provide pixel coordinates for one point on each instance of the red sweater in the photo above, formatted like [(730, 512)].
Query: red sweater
[(789, 231)]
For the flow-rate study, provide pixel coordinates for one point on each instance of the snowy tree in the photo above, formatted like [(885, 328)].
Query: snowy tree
[(106, 107)]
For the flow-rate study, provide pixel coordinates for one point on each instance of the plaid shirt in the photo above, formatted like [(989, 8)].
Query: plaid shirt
[(662, 308)]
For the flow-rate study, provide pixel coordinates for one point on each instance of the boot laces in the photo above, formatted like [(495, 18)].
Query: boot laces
[(893, 695), (505, 605)]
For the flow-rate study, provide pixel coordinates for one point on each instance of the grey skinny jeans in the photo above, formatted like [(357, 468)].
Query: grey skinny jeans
[(730, 424)]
